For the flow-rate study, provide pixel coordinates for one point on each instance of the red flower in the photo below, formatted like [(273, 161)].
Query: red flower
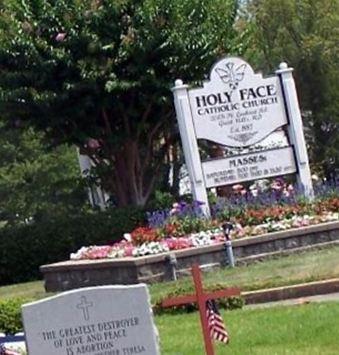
[(144, 235), (178, 243)]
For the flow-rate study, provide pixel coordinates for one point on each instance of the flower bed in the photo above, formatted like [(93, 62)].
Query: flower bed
[(261, 209), (128, 247), (71, 274)]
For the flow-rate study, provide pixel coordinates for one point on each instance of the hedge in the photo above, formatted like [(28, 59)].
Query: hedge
[(228, 303), (23, 248), (10, 315)]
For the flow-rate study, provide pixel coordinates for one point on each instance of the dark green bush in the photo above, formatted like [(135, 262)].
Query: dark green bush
[(23, 248), (10, 315), (161, 201), (225, 303)]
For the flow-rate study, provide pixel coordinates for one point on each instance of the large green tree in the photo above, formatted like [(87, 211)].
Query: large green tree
[(305, 34), (36, 179), (98, 73)]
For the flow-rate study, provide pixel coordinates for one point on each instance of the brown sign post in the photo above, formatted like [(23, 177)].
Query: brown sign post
[(200, 297)]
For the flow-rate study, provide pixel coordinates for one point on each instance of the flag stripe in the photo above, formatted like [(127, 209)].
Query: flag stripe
[(215, 323)]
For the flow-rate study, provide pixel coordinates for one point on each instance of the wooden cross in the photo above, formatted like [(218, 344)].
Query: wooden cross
[(200, 298)]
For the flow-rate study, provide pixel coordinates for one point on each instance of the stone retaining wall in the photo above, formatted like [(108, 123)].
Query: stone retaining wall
[(74, 274)]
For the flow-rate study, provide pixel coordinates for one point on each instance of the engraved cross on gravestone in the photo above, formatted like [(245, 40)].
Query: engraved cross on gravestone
[(84, 305)]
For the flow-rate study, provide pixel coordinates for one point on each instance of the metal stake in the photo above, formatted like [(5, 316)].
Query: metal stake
[(227, 227)]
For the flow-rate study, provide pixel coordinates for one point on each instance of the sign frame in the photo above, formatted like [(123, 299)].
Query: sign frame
[(289, 116), (249, 166)]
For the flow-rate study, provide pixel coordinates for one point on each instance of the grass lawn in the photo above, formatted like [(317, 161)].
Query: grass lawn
[(302, 329), (311, 266), (306, 267), (31, 290)]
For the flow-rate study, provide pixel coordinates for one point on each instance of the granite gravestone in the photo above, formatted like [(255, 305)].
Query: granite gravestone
[(104, 320)]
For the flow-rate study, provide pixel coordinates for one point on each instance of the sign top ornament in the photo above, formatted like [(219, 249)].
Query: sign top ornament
[(237, 107)]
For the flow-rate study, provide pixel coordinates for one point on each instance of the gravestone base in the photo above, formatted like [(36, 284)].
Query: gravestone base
[(149, 269)]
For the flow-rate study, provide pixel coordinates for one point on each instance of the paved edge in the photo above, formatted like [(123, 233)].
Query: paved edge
[(294, 291)]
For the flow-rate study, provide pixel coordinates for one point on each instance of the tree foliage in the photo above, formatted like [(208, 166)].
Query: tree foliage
[(35, 179), (97, 73), (305, 34)]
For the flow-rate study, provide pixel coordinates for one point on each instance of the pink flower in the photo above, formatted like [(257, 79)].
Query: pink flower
[(60, 36), (239, 230), (243, 192), (237, 187), (305, 222), (219, 238), (93, 143), (278, 184), (178, 243), (10, 352), (128, 250), (175, 208), (297, 223), (99, 252), (173, 211)]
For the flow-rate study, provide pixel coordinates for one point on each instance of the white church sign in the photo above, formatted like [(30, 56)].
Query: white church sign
[(239, 108)]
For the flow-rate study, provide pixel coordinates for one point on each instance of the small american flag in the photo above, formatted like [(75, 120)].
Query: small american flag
[(215, 323)]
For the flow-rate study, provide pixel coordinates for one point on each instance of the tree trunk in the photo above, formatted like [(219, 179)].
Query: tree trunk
[(132, 183)]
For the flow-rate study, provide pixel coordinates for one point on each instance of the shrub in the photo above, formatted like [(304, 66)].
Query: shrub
[(160, 201), (10, 315), (225, 303), (23, 248)]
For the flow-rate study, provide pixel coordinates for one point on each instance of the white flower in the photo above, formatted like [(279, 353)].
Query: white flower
[(278, 226), (135, 252), (202, 238), (330, 216), (116, 253), (79, 254), (75, 256), (151, 248)]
